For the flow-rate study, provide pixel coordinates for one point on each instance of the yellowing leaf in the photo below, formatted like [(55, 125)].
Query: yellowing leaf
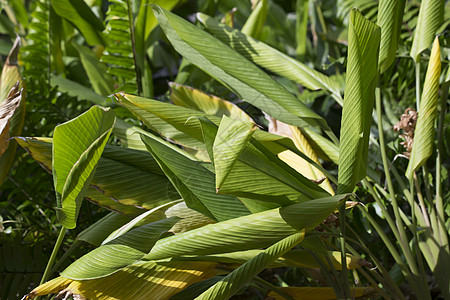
[(143, 280), (317, 293)]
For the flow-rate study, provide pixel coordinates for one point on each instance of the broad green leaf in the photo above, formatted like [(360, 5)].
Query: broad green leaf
[(430, 18), (359, 96), (231, 139), (235, 72), (319, 293), (146, 185), (128, 135), (100, 230), (75, 89), (7, 111), (234, 281), (119, 252), (182, 95), (143, 280), (255, 22), (271, 59), (9, 78), (247, 232), (190, 219), (152, 215), (272, 180), (324, 148), (80, 14), (77, 147), (424, 132), (194, 182), (101, 82), (390, 16)]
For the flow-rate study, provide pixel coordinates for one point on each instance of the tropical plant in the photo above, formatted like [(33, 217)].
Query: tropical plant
[(242, 165)]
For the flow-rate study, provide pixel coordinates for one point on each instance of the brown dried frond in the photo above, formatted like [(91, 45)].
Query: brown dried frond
[(408, 124)]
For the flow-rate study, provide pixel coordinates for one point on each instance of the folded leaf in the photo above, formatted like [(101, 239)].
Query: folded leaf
[(7, 110), (77, 147)]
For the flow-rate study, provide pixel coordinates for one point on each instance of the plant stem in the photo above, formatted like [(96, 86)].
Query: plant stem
[(345, 283), (270, 286), (418, 85), (53, 256), (65, 256)]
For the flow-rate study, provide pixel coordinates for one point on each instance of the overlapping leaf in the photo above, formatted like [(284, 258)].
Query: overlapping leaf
[(247, 232), (271, 59), (319, 293), (145, 185), (361, 80), (233, 282), (255, 22), (7, 110), (235, 72)]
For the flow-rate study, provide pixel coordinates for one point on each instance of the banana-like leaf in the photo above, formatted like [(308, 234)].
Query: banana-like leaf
[(298, 163), (75, 89), (247, 232), (183, 95), (152, 215), (79, 14), (146, 185), (100, 230), (9, 78), (190, 219), (255, 22), (324, 148), (119, 252), (7, 110), (273, 181), (271, 59), (361, 80), (431, 15), (424, 132), (142, 280), (231, 139), (233, 282), (319, 293), (194, 182), (102, 83), (390, 16), (77, 147), (235, 72)]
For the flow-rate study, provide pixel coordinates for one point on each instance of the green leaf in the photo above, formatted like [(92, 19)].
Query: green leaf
[(235, 72), (234, 281), (77, 147), (189, 97), (101, 82), (301, 27), (126, 180), (119, 252), (361, 80), (255, 22), (319, 293), (271, 59), (390, 16), (247, 232), (231, 139), (194, 182), (424, 132), (100, 230), (79, 14), (7, 110), (75, 89), (431, 15)]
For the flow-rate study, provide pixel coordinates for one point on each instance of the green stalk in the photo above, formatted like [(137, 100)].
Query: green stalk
[(439, 199), (53, 256), (345, 283), (403, 239), (72, 248), (271, 287), (418, 85)]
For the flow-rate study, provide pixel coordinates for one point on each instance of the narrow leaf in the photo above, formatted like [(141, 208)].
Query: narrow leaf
[(424, 132), (431, 15), (255, 22)]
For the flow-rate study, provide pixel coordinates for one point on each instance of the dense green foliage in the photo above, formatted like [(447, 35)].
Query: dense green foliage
[(218, 148)]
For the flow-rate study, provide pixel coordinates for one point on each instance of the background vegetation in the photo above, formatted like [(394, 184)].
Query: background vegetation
[(286, 62)]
